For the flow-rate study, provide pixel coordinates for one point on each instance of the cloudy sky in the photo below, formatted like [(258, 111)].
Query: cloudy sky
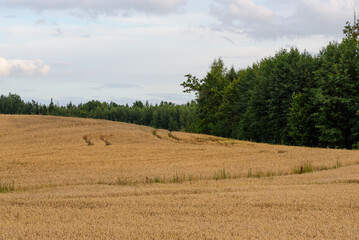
[(127, 50)]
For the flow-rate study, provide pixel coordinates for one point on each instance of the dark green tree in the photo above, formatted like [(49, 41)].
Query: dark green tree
[(301, 121), (338, 94), (209, 98)]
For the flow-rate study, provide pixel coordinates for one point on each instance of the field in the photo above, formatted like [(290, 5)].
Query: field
[(70, 178)]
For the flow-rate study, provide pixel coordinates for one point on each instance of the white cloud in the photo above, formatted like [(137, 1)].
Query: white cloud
[(339, 7), (19, 68), (96, 6), (305, 17), (322, 17), (242, 12)]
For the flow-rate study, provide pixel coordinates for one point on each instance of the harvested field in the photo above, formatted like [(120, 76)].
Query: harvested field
[(70, 178)]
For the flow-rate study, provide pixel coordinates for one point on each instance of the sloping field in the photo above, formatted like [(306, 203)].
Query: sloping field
[(93, 179)]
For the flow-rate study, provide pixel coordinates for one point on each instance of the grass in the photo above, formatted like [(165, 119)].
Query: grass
[(308, 168), (179, 179), (271, 174), (121, 181), (174, 179), (259, 174), (338, 164), (304, 168), (155, 180), (223, 174), (7, 187), (250, 173)]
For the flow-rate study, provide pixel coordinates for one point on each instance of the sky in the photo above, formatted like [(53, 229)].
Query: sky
[(128, 50)]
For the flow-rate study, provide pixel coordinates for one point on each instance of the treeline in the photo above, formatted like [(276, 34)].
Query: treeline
[(165, 115), (292, 98)]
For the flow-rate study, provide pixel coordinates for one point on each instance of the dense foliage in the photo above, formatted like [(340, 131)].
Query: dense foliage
[(166, 115), (291, 98)]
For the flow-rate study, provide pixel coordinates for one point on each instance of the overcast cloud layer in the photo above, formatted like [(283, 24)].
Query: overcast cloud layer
[(303, 17), (141, 49), (96, 6)]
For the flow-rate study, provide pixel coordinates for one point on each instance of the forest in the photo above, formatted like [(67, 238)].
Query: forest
[(165, 115), (291, 98)]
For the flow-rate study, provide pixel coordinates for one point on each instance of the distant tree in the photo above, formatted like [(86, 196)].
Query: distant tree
[(138, 104), (352, 31), (51, 106)]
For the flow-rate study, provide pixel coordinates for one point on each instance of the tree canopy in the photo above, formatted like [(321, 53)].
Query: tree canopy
[(292, 98)]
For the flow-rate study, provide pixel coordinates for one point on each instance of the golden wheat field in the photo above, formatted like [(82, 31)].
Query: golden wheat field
[(70, 178)]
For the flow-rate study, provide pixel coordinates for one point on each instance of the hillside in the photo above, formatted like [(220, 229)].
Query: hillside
[(84, 178)]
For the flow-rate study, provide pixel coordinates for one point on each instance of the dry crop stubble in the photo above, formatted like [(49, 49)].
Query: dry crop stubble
[(66, 188)]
